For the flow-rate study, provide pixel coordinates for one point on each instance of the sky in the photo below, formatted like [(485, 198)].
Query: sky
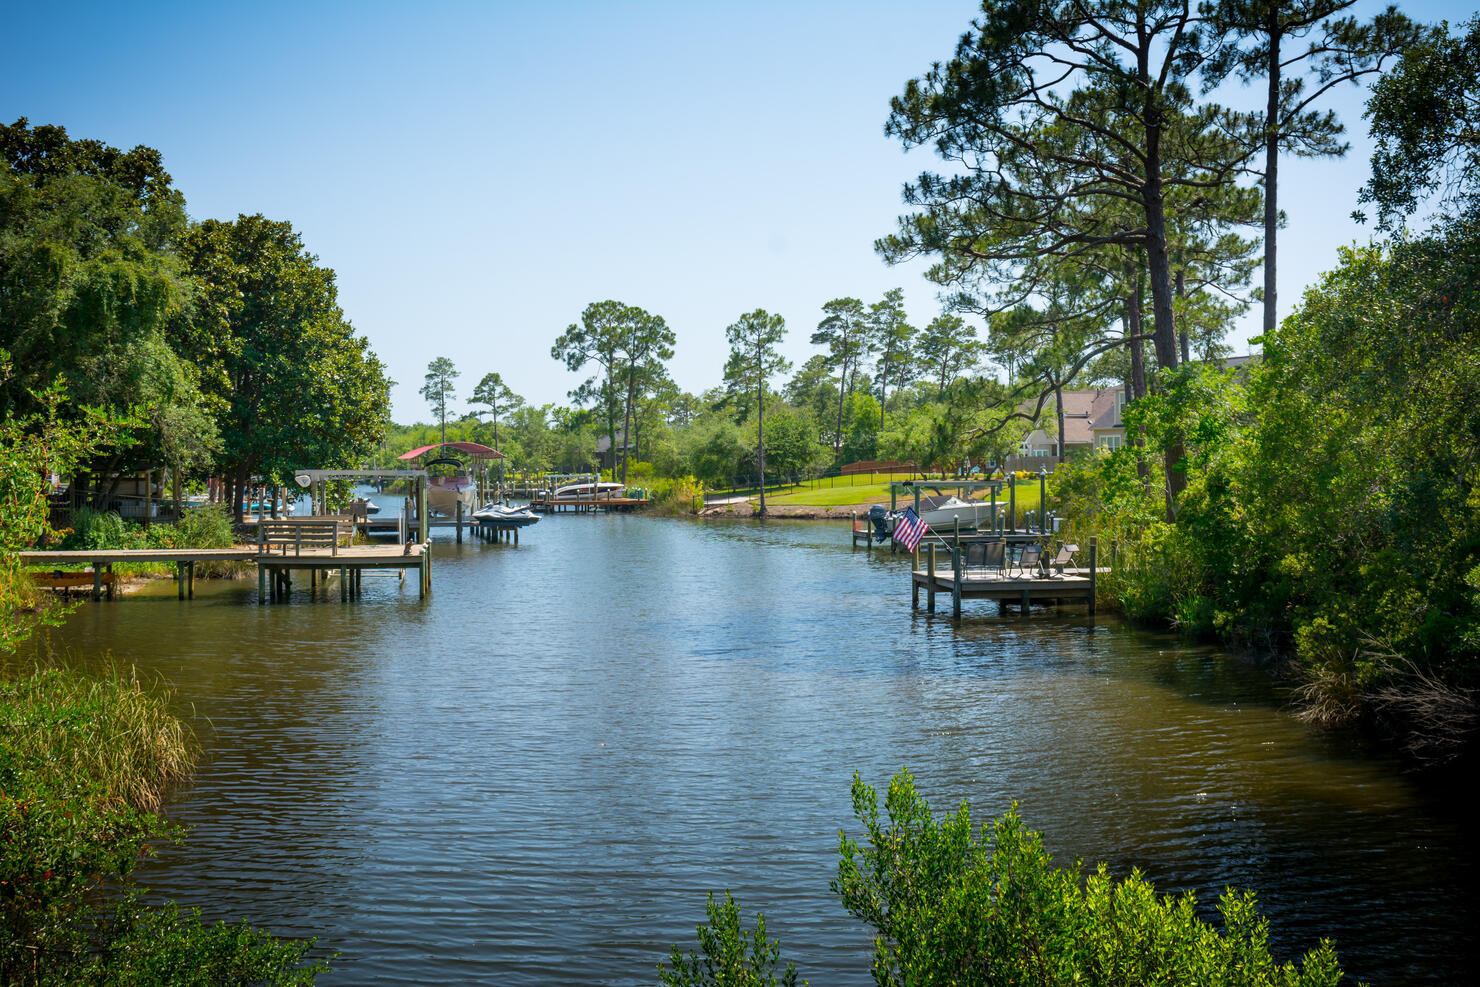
[(477, 173)]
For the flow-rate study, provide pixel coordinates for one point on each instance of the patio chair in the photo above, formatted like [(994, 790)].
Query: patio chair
[(1062, 559), (1029, 561)]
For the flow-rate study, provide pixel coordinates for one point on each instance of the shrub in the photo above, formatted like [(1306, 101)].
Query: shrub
[(948, 907), (677, 495), (733, 956)]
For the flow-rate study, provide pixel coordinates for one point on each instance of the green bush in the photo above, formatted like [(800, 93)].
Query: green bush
[(676, 495), (952, 906), (732, 956)]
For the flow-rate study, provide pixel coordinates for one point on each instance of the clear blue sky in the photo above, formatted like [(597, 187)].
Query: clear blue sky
[(477, 173)]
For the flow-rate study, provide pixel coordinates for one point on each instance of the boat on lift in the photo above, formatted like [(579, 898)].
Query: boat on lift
[(448, 479), (587, 490)]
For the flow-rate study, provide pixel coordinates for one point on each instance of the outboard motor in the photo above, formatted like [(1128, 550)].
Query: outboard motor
[(878, 516)]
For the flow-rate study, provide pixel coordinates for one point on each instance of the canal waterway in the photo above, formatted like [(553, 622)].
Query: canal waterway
[(535, 776)]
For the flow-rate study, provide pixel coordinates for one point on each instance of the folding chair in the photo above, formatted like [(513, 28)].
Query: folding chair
[(1029, 560), (1062, 559)]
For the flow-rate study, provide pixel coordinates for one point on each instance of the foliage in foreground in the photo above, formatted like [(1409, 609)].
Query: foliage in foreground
[(1333, 501), (84, 764), (953, 906), (732, 955)]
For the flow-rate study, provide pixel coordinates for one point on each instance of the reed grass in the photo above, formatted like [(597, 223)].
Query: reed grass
[(106, 733)]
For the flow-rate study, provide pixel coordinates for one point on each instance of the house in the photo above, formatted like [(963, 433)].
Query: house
[(1092, 420)]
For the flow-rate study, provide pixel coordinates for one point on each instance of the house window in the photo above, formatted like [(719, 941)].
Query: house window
[(1111, 442)]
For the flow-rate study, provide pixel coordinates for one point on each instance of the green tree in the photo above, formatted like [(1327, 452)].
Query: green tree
[(890, 335), (844, 331), (1425, 116), (732, 955), (497, 397), (438, 389), (947, 350), (646, 342), (1068, 130), (90, 282), (290, 381), (1259, 35), (753, 361)]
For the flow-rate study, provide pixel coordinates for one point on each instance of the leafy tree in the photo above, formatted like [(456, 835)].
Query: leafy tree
[(291, 382), (1425, 116), (753, 361), (626, 343), (438, 389), (890, 336), (90, 282), (645, 344), (1258, 36), (1070, 131), (844, 331), (948, 349), (496, 396)]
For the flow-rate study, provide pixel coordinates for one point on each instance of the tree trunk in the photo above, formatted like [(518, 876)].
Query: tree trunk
[(1058, 400), (1182, 329), (1164, 317), (838, 435), (1136, 385), (626, 426), (1271, 171), (760, 435)]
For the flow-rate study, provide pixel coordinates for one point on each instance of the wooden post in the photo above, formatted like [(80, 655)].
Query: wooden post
[(1042, 500), (1094, 548), (148, 497), (930, 578), (956, 584), (343, 585), (1026, 603), (190, 590), (459, 520), (261, 583), (994, 510), (97, 580), (893, 499), (422, 520), (1012, 506), (180, 580)]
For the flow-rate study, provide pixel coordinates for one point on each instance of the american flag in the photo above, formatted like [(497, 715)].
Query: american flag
[(909, 529)]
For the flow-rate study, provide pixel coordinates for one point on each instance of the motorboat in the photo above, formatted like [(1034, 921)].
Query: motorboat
[(942, 512), (505, 516), (587, 490)]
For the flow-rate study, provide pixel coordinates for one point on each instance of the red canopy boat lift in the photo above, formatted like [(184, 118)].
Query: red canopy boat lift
[(454, 488)]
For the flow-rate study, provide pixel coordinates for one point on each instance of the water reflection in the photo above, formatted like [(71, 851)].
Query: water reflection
[(535, 776)]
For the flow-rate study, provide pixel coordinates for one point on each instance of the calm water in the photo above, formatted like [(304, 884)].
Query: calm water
[(535, 776)]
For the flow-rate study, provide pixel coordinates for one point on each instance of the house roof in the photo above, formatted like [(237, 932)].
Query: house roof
[(1088, 410)]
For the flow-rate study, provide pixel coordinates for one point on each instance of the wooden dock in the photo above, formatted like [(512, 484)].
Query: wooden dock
[(275, 572), (588, 505), (1006, 586), (274, 569), (101, 563)]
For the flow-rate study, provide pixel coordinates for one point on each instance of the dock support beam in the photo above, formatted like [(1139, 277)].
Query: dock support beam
[(930, 583), (1094, 547)]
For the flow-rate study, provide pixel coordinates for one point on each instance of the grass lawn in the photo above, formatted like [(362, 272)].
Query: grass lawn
[(812, 495)]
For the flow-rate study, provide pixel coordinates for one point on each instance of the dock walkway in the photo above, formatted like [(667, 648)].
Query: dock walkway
[(274, 570)]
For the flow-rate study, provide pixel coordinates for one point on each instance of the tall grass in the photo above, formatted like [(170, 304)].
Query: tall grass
[(106, 734), (676, 495)]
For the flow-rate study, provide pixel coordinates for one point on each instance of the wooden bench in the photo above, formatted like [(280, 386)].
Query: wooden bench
[(300, 533)]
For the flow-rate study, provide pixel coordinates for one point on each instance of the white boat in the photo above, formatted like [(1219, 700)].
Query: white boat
[(941, 513), (586, 490), (445, 492)]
